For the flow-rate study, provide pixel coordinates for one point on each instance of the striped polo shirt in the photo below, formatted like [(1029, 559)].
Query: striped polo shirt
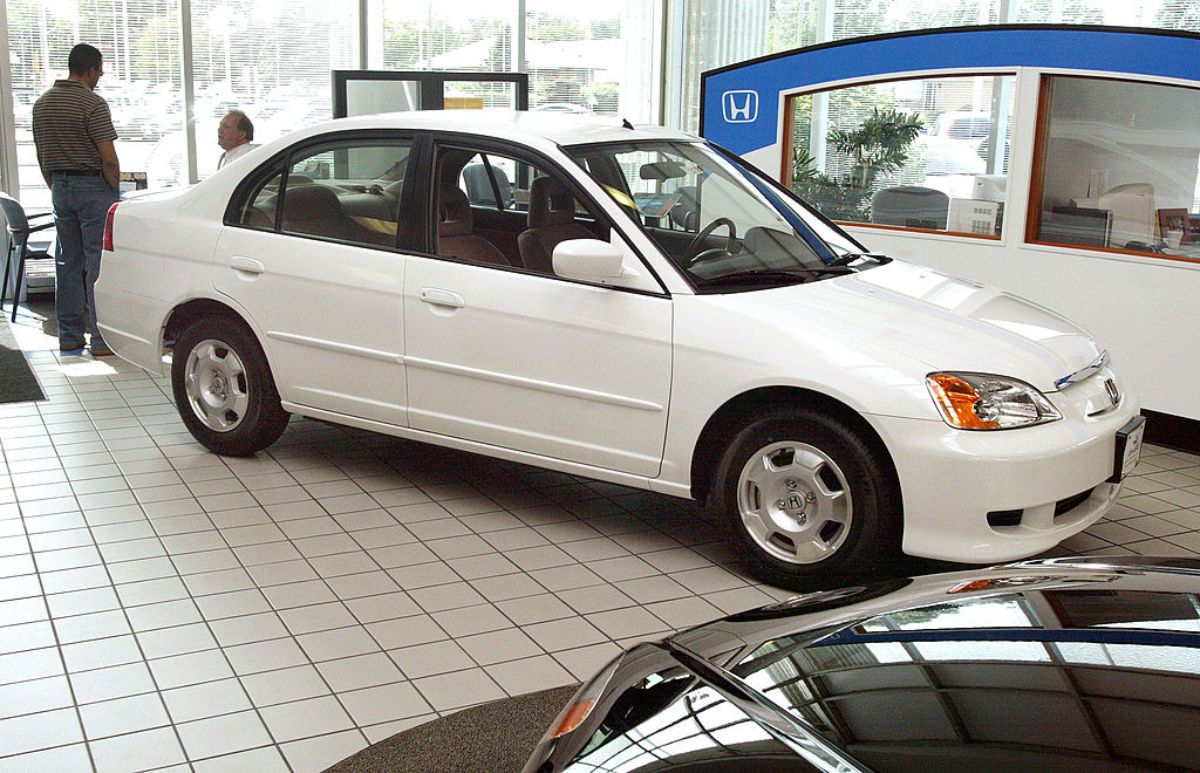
[(68, 122)]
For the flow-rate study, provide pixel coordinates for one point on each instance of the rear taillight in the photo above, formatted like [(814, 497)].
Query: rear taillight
[(108, 227)]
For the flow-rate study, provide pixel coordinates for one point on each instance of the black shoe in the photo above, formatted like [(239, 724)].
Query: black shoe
[(100, 350), (64, 348)]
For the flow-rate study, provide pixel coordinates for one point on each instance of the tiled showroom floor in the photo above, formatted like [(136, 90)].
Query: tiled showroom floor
[(164, 607)]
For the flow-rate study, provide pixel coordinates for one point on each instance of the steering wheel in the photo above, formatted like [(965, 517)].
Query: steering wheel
[(694, 254)]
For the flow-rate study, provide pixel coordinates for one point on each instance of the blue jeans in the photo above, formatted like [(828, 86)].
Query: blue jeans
[(80, 205)]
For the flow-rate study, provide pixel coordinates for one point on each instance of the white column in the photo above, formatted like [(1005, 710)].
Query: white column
[(674, 27), (10, 181), (371, 28), (820, 102), (189, 87), (518, 37)]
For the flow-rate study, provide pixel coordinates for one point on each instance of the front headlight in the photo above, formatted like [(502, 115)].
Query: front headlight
[(983, 401)]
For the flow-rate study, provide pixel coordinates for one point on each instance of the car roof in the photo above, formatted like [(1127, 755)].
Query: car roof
[(533, 128)]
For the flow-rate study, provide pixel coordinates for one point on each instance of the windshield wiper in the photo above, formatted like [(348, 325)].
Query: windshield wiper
[(847, 258), (760, 275)]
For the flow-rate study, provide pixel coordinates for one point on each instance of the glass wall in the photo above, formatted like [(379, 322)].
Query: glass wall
[(593, 59), (280, 80), (1120, 165), (142, 76), (929, 154), (580, 59)]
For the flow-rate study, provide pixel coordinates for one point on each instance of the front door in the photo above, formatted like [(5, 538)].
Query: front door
[(516, 357)]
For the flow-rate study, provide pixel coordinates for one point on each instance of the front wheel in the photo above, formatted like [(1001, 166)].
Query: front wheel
[(805, 496), (223, 388)]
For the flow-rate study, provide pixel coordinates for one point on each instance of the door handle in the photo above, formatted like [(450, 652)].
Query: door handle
[(442, 298), (247, 265)]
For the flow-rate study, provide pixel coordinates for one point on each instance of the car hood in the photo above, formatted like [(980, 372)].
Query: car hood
[(946, 672), (938, 320)]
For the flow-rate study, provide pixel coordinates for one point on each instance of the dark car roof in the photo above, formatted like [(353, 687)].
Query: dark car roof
[(1043, 666)]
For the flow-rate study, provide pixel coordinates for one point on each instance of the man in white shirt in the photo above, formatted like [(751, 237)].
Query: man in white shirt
[(234, 135)]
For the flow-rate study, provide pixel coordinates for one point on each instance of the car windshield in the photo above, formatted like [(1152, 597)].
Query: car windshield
[(722, 223)]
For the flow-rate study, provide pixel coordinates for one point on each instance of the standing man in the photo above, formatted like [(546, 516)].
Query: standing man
[(234, 134), (74, 134)]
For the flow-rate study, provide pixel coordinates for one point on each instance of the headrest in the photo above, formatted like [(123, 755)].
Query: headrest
[(454, 212), (307, 202), (550, 203)]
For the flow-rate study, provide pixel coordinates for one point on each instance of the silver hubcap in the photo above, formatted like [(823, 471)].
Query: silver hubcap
[(795, 502), (216, 384)]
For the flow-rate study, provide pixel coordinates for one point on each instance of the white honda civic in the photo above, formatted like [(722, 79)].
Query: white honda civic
[(624, 303)]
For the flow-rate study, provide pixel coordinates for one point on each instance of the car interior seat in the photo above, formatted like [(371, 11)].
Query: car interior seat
[(551, 220), (479, 186), (455, 230), (683, 214), (314, 209)]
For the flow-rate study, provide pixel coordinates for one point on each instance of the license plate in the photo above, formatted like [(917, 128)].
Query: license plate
[(1129, 448)]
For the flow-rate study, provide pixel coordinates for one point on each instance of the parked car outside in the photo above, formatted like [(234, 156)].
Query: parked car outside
[(627, 304), (1065, 665)]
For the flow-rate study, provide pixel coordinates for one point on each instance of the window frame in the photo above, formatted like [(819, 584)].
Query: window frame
[(785, 163), (253, 183), (437, 140), (1037, 175)]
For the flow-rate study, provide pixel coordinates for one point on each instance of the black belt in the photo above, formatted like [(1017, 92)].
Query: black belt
[(79, 172)]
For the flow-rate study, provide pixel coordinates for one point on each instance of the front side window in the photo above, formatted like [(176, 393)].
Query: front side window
[(347, 191), (504, 211), (1120, 165), (718, 221), (928, 154)]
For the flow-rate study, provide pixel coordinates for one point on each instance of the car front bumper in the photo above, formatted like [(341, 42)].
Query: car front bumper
[(952, 479)]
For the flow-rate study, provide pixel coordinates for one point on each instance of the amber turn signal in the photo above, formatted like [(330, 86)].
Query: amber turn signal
[(957, 400), (572, 718)]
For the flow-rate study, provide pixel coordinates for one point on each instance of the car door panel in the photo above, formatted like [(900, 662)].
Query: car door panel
[(332, 316), (537, 364)]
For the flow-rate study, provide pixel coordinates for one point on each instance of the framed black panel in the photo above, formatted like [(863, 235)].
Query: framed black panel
[(429, 86)]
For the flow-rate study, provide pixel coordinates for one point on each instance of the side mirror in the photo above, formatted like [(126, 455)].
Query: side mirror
[(590, 260)]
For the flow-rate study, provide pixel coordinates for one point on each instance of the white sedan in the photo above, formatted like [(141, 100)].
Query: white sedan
[(627, 304)]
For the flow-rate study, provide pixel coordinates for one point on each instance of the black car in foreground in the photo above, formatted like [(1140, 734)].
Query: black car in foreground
[(1054, 665)]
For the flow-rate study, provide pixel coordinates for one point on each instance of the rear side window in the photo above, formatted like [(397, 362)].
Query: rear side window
[(259, 209), (349, 191)]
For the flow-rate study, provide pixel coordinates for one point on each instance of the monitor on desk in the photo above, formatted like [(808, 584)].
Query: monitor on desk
[(1077, 226)]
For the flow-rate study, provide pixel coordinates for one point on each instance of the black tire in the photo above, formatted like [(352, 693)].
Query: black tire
[(870, 544), (262, 420)]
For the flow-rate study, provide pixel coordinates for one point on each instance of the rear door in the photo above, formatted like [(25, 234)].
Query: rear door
[(311, 255)]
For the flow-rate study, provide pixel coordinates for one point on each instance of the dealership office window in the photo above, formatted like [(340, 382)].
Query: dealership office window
[(928, 154), (1120, 167)]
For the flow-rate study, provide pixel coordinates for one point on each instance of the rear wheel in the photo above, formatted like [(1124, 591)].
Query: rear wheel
[(805, 495), (223, 388)]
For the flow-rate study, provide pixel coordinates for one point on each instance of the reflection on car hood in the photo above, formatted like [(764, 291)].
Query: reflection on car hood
[(1047, 665), (943, 322)]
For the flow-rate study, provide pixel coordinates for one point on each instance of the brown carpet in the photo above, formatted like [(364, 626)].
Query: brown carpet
[(496, 737)]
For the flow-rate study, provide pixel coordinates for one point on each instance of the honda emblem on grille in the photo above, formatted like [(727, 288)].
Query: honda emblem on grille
[(1110, 386)]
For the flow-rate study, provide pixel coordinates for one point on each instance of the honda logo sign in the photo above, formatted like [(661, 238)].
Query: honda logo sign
[(740, 106)]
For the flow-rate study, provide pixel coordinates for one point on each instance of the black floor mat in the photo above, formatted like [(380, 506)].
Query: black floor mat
[(17, 382), (493, 738)]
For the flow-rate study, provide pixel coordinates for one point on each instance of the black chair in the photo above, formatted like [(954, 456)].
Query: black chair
[(18, 242)]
